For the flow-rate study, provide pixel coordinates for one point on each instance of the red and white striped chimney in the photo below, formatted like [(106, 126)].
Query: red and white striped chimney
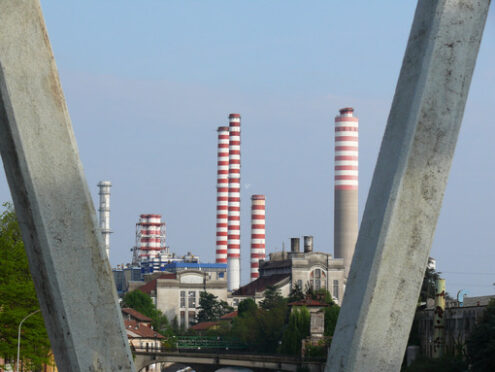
[(257, 233), (234, 223), (150, 237), (222, 194), (346, 186)]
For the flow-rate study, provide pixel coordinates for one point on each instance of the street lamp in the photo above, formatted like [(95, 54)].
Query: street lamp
[(19, 337)]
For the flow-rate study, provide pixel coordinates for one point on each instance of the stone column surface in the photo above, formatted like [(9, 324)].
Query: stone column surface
[(408, 185), (71, 272)]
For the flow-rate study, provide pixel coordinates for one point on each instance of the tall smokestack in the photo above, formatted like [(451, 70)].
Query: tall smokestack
[(257, 233), (234, 231), (222, 195), (346, 186), (150, 237), (105, 213)]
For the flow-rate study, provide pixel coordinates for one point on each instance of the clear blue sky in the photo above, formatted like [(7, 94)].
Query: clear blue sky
[(148, 82)]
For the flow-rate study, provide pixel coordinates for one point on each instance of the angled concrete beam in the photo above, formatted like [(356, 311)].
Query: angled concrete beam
[(408, 186), (71, 273)]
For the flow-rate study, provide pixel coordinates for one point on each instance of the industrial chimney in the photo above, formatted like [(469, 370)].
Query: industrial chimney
[(222, 195), (234, 223), (294, 245), (105, 213), (346, 186), (308, 244), (257, 233), (150, 237)]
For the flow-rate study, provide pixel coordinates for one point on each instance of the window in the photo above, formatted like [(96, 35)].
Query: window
[(336, 289), (192, 300), (182, 298), (192, 317), (182, 318), (299, 284), (317, 279)]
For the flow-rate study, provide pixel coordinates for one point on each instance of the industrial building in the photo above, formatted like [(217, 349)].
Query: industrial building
[(286, 270), (176, 291)]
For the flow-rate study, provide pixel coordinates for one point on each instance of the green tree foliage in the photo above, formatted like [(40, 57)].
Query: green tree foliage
[(273, 299), (262, 328), (428, 288), (481, 343), (297, 330), (143, 303), (331, 316), (247, 306), (18, 299), (210, 308)]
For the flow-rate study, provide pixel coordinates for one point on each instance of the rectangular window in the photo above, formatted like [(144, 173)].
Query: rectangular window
[(299, 284), (182, 318), (192, 317), (336, 289), (182, 298), (317, 284), (192, 299)]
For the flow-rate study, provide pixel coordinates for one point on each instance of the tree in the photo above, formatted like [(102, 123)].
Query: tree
[(210, 308), (143, 303), (481, 343), (331, 316), (428, 288), (18, 299), (297, 330), (272, 299), (247, 307)]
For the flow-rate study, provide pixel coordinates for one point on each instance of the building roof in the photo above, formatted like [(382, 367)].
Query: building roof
[(151, 285), (477, 301), (136, 314), (194, 265), (203, 326), (137, 330), (308, 302), (229, 316), (260, 284)]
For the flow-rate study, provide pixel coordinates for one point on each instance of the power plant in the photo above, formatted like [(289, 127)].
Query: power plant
[(234, 215), (257, 233), (104, 210), (346, 186), (151, 253)]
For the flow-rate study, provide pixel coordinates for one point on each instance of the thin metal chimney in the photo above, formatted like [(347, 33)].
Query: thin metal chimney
[(295, 245), (105, 213), (308, 244)]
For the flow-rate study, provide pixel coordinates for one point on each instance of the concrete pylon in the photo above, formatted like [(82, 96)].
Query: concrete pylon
[(65, 249), (408, 185)]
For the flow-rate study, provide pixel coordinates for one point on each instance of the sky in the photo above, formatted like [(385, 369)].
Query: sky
[(148, 82)]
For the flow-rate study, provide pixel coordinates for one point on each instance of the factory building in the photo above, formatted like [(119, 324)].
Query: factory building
[(286, 270), (176, 291), (346, 186)]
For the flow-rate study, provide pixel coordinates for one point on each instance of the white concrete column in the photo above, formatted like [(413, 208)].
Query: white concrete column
[(65, 249), (408, 185)]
